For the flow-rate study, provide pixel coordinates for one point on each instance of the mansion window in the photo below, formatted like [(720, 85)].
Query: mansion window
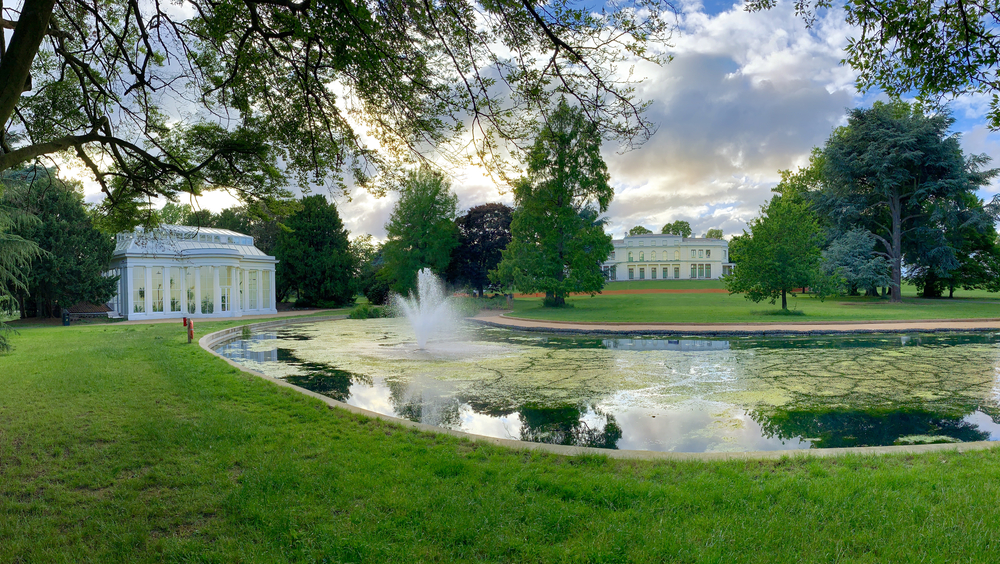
[(708, 253), (677, 273), (631, 274), (701, 253), (630, 256), (642, 273), (694, 271), (677, 255), (652, 273), (642, 255), (652, 255), (694, 253)]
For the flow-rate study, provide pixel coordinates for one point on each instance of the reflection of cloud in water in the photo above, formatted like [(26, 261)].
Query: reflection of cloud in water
[(572, 387)]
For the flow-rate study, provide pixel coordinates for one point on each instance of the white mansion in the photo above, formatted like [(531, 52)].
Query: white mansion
[(655, 257), (180, 271)]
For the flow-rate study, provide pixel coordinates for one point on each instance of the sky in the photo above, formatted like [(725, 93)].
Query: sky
[(746, 95)]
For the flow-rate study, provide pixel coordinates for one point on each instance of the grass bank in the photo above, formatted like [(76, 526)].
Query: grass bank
[(725, 308), (125, 444)]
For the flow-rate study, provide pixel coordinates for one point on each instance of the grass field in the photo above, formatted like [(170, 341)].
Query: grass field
[(122, 443), (725, 308)]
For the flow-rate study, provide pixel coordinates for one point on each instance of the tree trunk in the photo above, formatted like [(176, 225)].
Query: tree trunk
[(784, 300), (895, 209), (32, 25)]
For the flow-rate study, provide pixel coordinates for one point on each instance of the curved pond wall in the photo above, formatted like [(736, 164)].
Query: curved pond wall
[(212, 340)]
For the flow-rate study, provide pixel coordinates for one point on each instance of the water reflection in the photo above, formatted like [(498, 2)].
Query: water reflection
[(686, 395)]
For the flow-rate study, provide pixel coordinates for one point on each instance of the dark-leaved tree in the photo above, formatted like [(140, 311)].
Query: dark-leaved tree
[(76, 255), (315, 258), (483, 234), (897, 173)]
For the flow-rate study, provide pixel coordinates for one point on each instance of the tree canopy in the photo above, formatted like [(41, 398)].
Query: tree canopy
[(160, 98), (638, 230), (897, 173), (314, 256), (780, 253), (557, 238), (421, 230), (714, 234), (678, 227), (935, 48)]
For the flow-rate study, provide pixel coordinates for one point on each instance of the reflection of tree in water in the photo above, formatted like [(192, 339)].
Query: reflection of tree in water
[(426, 406), (564, 425), (321, 378), (833, 428)]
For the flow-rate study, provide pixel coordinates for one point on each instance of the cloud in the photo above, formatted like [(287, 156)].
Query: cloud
[(745, 96)]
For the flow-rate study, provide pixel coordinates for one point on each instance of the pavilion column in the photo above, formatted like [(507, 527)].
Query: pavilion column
[(216, 290), (197, 290), (272, 286)]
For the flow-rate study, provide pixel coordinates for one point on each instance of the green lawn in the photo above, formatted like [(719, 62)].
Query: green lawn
[(725, 308), (125, 444)]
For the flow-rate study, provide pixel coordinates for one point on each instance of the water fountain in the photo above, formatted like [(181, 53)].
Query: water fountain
[(429, 310)]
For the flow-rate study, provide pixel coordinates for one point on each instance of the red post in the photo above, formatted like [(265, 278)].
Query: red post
[(190, 325), (185, 322)]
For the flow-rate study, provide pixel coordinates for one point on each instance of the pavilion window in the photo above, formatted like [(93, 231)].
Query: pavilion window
[(266, 275), (139, 289), (176, 289), (253, 289), (189, 290), (207, 290), (157, 289), (226, 286)]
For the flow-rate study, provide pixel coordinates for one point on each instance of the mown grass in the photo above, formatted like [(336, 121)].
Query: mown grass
[(125, 444), (725, 308)]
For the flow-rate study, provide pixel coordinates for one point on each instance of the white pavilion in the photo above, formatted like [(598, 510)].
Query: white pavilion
[(180, 271)]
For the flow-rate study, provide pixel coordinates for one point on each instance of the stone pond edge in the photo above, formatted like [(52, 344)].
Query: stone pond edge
[(209, 341)]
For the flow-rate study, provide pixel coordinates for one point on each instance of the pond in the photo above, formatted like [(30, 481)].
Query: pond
[(650, 393)]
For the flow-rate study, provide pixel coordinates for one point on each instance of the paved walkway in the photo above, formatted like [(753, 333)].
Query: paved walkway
[(500, 319), (249, 318)]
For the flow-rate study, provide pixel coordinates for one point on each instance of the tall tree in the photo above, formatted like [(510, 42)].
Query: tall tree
[(892, 170), (483, 233), (714, 234), (638, 230), (71, 270), (16, 254), (261, 83), (314, 256), (781, 252), (678, 227), (421, 230), (558, 241)]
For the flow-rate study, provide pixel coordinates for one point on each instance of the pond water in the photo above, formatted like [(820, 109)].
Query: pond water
[(650, 393)]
